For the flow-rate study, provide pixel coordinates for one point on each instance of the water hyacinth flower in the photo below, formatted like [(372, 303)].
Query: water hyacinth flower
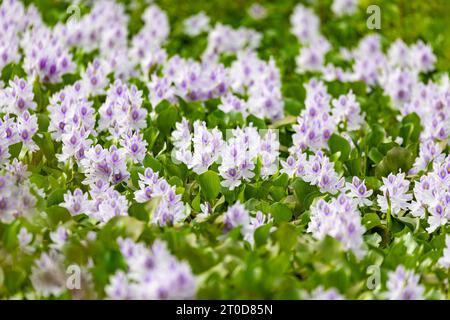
[(257, 11), (237, 216), (339, 219), (444, 261), (135, 146), (48, 275), (239, 155), (18, 97), (16, 196), (169, 207), (94, 78), (152, 274), (27, 127), (122, 110), (46, 56), (196, 24), (320, 171), (403, 284), (25, 239), (395, 193), (59, 237), (70, 111), (225, 39), (77, 202), (315, 125), (202, 151), (260, 81), (320, 293), (358, 191), (108, 205), (107, 166), (344, 7)]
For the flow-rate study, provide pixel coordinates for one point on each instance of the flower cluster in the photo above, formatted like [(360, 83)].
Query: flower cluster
[(241, 152), (17, 194), (14, 130), (152, 274), (237, 216), (404, 285), (223, 39), (169, 208), (146, 45), (306, 27), (18, 97), (320, 118), (317, 169), (339, 219), (432, 194), (395, 195), (104, 167), (122, 110), (260, 81), (106, 203), (46, 55), (198, 150), (237, 156), (196, 24)]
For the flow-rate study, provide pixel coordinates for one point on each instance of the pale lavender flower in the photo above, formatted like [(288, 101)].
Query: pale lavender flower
[(135, 146), (18, 97), (257, 11), (109, 205), (344, 7), (305, 24), (403, 284), (320, 171), (236, 216), (25, 238), (95, 78), (320, 293), (48, 275), (27, 127), (347, 110), (358, 191), (395, 193), (444, 261), (225, 39), (196, 24), (423, 59), (160, 88), (339, 219), (59, 237), (169, 207), (77, 203), (152, 274)]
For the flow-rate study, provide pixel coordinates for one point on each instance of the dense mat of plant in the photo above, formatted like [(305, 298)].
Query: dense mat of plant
[(224, 150)]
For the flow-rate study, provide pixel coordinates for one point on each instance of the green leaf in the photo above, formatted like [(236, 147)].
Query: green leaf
[(139, 211), (280, 212), (57, 214), (285, 236), (338, 143), (14, 149), (375, 155), (210, 184), (396, 158), (305, 193), (56, 197), (167, 119), (375, 136), (371, 220)]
